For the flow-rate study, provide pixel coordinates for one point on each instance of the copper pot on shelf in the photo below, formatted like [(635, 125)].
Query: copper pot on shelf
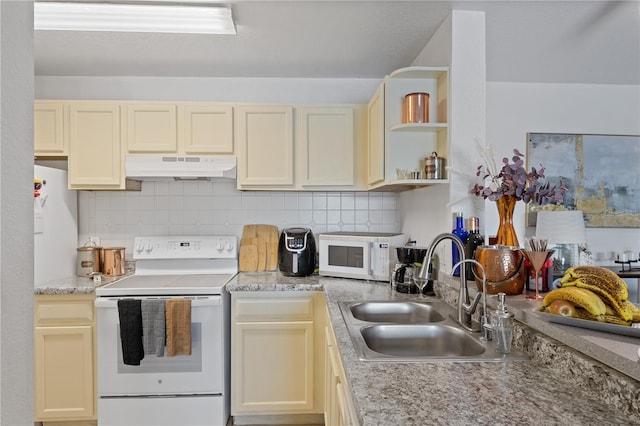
[(415, 108), (504, 266)]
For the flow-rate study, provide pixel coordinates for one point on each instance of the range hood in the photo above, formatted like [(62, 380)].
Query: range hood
[(162, 167)]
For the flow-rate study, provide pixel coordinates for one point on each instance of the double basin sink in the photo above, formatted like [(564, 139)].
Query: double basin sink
[(422, 331)]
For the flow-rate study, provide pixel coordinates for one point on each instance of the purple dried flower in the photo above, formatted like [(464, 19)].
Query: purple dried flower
[(513, 180)]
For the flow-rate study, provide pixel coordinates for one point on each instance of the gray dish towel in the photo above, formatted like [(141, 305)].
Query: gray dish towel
[(153, 326)]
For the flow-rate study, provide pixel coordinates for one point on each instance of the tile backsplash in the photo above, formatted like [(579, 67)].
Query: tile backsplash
[(218, 208)]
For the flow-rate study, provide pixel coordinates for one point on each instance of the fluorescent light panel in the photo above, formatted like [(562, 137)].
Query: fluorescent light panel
[(133, 18)]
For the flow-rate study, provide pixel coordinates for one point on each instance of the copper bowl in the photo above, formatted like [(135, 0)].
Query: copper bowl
[(504, 266)]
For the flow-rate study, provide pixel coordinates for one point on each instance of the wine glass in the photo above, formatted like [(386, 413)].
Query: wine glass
[(537, 260), (421, 283)]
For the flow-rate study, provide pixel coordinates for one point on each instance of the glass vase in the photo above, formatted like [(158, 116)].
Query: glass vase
[(506, 234)]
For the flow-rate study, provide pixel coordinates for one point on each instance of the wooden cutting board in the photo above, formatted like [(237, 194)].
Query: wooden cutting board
[(265, 240), (248, 258)]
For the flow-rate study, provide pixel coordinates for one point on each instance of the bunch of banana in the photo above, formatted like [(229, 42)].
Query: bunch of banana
[(564, 301), (606, 285)]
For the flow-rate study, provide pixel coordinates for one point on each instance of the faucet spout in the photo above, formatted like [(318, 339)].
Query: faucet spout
[(465, 309)]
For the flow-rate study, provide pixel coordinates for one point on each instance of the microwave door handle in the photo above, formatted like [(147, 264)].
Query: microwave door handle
[(370, 258)]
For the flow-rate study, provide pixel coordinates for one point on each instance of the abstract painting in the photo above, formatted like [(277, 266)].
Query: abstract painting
[(601, 172)]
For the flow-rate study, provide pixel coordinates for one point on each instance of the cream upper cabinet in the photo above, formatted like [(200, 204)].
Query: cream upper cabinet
[(49, 129), (151, 128), (327, 145), (95, 153), (64, 354), (205, 129), (324, 150), (404, 145), (264, 145), (276, 353), (375, 152)]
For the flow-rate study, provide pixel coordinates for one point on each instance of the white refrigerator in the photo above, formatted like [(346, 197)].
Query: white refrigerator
[(55, 212)]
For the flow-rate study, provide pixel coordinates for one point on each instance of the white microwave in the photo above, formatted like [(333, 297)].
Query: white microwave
[(361, 255)]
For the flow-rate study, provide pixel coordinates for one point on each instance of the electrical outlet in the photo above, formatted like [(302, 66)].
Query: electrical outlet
[(95, 240)]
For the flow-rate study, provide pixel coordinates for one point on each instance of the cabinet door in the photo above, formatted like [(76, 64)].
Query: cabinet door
[(327, 143), (48, 128), (375, 163), (94, 146), (272, 367), (265, 145), (205, 129), (152, 128), (64, 381)]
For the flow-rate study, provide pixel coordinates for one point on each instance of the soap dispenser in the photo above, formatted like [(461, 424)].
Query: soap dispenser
[(502, 326)]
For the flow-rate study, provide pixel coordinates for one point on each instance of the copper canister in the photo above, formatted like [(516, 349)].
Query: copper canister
[(114, 261), (415, 108)]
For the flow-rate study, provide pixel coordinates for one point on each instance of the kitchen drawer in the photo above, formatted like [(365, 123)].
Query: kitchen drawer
[(273, 307), (63, 309)]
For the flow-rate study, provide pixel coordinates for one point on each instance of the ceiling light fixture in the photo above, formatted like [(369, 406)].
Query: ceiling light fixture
[(133, 18)]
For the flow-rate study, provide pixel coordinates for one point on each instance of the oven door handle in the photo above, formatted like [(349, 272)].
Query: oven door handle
[(112, 302)]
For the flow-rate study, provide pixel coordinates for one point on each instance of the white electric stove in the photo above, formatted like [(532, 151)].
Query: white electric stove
[(189, 390), (178, 265)]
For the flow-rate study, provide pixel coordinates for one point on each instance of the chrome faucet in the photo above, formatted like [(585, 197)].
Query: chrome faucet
[(465, 308)]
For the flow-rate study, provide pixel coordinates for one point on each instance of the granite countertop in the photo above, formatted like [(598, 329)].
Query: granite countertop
[(557, 385), (74, 285)]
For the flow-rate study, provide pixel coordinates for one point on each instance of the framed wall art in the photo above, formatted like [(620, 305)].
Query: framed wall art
[(601, 173)]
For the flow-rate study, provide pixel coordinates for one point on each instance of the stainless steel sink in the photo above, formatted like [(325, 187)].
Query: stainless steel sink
[(407, 331), (396, 312), (421, 340)]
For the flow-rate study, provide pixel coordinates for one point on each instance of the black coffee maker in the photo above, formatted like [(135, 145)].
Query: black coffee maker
[(410, 259)]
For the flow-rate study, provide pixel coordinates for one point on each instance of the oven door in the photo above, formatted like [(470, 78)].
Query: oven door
[(199, 373)]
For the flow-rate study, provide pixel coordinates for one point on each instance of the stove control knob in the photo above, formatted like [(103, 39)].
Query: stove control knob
[(220, 246), (229, 246), (149, 247), (139, 247)]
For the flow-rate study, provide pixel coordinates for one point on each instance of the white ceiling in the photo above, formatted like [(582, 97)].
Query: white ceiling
[(545, 41)]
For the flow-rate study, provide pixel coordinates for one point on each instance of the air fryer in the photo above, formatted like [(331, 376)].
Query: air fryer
[(297, 252)]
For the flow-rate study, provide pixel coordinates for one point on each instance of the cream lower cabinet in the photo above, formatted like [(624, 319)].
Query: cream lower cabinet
[(277, 355), (64, 347), (339, 408)]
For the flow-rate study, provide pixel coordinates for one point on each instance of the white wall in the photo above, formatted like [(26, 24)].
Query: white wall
[(16, 213), (218, 208), (460, 43), (514, 109), (277, 90)]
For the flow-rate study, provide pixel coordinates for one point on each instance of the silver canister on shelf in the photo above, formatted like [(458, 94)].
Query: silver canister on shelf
[(434, 166)]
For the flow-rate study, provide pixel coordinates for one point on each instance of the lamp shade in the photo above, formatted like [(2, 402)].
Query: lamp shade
[(561, 227)]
